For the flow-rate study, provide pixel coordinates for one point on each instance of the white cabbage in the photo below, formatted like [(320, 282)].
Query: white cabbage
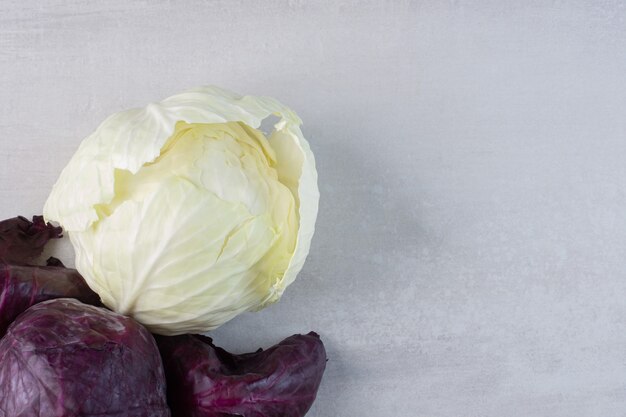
[(183, 214)]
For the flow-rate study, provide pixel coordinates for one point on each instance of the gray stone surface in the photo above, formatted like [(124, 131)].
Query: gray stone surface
[(470, 255)]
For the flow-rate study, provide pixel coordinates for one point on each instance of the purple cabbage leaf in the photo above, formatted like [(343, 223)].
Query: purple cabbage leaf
[(22, 240), (207, 381), (23, 285)]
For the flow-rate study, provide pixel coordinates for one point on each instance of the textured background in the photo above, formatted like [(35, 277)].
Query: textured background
[(470, 256)]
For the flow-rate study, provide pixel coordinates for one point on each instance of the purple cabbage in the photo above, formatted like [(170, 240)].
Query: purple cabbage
[(62, 358), (207, 381), (22, 285)]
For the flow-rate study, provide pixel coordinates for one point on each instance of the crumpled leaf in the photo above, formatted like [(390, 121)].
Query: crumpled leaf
[(22, 240), (62, 358), (207, 381)]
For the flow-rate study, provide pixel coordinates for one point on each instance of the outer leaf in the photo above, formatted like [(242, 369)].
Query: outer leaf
[(62, 358), (202, 282), (206, 381)]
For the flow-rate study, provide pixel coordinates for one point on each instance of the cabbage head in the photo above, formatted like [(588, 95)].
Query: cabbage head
[(184, 214)]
